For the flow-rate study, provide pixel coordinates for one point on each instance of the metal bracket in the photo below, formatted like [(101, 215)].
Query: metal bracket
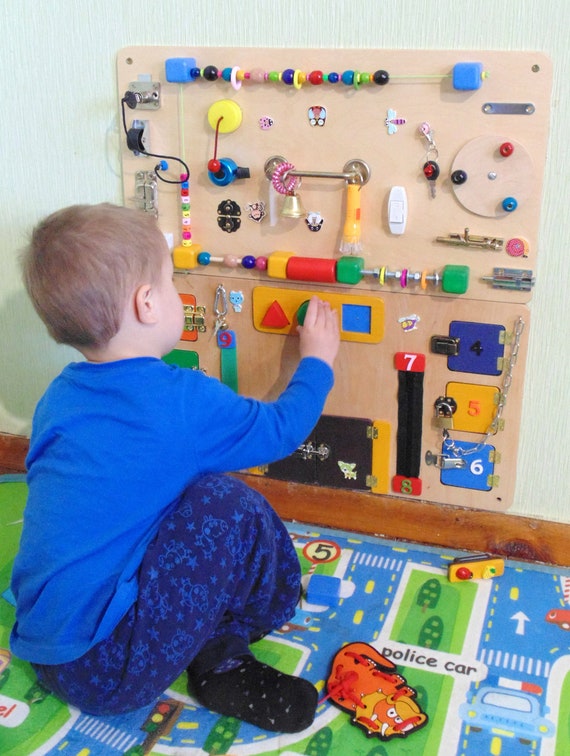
[(508, 108), (148, 94)]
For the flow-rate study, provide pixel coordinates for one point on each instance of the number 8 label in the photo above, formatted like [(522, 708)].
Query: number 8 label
[(406, 485)]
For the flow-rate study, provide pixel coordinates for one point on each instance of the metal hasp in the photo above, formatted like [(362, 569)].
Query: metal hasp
[(471, 240), (146, 192), (354, 171)]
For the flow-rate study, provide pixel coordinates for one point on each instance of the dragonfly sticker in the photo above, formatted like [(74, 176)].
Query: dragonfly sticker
[(392, 121)]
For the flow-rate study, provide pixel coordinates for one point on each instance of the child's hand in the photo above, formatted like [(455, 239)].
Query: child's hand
[(319, 334)]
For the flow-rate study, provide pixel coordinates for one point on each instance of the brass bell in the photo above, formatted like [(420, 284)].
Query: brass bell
[(292, 207)]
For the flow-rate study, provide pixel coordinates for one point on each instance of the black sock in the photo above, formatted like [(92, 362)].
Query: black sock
[(258, 694)]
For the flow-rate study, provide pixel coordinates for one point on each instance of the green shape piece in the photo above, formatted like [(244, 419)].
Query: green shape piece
[(183, 358), (302, 311), (349, 269), (455, 279)]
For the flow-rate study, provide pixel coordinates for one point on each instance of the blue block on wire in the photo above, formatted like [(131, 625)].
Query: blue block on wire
[(467, 76), (179, 70)]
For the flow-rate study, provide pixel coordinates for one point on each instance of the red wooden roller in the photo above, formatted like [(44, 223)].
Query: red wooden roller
[(320, 269)]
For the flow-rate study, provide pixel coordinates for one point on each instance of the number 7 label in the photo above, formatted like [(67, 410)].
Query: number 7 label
[(410, 362)]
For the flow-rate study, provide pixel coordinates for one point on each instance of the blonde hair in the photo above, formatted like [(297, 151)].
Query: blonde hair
[(82, 265)]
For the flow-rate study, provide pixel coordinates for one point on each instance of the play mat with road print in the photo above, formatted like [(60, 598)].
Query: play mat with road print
[(405, 661)]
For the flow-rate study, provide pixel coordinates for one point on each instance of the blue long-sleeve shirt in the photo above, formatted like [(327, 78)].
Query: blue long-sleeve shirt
[(113, 447)]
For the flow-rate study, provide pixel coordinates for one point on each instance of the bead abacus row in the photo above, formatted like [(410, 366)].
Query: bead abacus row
[(465, 76), (345, 270), (290, 76)]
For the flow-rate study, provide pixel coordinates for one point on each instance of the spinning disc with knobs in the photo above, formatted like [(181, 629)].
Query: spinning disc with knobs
[(498, 176)]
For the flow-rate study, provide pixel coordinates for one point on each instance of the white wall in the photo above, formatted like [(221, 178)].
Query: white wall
[(59, 137)]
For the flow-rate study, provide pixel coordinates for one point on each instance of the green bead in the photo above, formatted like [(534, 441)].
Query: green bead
[(273, 76), (455, 279), (349, 269)]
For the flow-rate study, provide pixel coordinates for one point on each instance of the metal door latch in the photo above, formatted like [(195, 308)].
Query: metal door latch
[(309, 451), (444, 463)]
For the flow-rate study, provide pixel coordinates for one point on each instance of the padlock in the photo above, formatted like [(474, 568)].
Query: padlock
[(444, 422), (445, 407)]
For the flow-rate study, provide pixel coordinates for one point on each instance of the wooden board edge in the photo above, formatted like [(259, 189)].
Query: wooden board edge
[(439, 525)]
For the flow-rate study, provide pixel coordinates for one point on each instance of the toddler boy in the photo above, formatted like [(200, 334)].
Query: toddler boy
[(139, 557)]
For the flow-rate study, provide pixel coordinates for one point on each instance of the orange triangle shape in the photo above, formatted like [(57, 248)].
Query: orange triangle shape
[(275, 317)]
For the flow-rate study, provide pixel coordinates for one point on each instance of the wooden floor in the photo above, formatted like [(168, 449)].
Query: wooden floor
[(505, 535)]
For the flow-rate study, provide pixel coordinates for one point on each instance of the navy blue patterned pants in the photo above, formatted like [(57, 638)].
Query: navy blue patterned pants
[(221, 572)]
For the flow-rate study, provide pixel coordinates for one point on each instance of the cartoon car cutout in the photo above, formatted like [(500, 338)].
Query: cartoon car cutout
[(560, 617), (509, 713)]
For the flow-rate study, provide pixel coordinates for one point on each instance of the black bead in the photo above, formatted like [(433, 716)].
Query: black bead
[(210, 73), (381, 77)]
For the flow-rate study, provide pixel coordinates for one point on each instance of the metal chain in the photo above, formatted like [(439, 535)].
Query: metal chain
[(459, 451)]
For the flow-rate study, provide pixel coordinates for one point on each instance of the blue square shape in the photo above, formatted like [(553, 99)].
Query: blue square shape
[(467, 76), (356, 318), (179, 69)]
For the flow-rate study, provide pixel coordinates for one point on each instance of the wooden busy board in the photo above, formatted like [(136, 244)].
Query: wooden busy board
[(412, 184)]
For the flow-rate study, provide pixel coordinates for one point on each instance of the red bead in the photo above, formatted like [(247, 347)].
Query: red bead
[(506, 149), (316, 77), (214, 165)]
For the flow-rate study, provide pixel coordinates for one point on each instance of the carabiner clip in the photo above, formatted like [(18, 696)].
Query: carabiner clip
[(220, 312)]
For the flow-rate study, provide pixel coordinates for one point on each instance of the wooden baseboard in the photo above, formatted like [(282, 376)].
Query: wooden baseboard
[(13, 450), (437, 525)]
